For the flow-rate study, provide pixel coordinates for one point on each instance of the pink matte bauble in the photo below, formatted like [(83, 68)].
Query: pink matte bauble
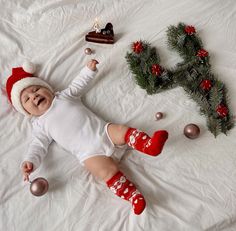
[(39, 186)]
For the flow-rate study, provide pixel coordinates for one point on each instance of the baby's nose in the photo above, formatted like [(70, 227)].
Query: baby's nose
[(35, 95)]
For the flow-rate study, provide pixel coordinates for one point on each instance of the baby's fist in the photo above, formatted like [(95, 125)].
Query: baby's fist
[(92, 64), (27, 168)]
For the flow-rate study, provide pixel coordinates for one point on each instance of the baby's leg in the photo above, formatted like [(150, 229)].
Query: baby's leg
[(121, 134), (117, 133), (106, 169), (102, 167)]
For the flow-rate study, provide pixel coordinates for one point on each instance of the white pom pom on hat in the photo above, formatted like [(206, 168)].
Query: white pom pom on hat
[(21, 78), (29, 67)]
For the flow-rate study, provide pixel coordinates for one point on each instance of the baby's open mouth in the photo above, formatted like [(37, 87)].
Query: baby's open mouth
[(40, 101)]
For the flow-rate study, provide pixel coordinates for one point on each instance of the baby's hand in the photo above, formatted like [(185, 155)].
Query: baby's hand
[(92, 64), (27, 168)]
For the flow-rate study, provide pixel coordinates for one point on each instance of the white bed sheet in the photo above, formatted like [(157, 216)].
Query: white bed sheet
[(190, 186)]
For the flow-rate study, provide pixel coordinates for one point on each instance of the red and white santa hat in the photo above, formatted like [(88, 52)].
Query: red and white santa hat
[(21, 78)]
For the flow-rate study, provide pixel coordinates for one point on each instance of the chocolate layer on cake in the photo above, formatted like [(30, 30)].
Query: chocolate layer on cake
[(105, 36)]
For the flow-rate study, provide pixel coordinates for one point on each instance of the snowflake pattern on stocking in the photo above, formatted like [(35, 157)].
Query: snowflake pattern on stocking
[(137, 135), (118, 184), (123, 188), (125, 191), (142, 142)]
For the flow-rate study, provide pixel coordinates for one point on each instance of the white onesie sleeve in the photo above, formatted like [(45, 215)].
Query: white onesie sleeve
[(79, 84), (38, 147)]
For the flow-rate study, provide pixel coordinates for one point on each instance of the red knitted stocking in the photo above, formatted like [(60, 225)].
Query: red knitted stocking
[(142, 142), (125, 189)]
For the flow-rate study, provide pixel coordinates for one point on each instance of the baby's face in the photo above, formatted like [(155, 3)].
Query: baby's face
[(36, 100)]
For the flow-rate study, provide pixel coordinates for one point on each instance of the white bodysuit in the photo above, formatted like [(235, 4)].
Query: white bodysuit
[(70, 124)]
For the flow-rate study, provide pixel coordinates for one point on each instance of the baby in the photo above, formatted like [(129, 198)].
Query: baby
[(62, 117)]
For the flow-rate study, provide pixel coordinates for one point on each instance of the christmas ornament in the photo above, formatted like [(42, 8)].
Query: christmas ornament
[(191, 131), (189, 30), (88, 51), (206, 84), (222, 110), (193, 74), (137, 47), (159, 115), (156, 69), (39, 186), (202, 53)]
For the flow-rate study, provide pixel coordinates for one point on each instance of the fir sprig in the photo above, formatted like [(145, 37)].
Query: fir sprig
[(193, 74)]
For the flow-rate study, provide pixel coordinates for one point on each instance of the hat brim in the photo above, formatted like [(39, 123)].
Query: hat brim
[(19, 86)]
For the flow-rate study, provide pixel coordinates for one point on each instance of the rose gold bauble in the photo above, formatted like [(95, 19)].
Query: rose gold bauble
[(88, 51), (39, 186), (159, 115), (191, 131)]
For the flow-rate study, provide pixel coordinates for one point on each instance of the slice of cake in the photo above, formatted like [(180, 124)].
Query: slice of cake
[(105, 36)]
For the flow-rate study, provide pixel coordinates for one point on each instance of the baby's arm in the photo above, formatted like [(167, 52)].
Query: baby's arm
[(37, 150), (79, 84)]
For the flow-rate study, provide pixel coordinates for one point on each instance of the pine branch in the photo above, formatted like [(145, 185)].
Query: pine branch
[(190, 74)]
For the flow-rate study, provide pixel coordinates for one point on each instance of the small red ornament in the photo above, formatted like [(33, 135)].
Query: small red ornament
[(202, 53), (206, 84), (222, 110), (137, 47), (189, 30), (156, 69)]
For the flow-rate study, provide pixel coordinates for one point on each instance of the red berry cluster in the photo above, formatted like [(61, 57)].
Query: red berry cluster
[(206, 84), (189, 30), (137, 47), (156, 69), (222, 110), (202, 53)]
